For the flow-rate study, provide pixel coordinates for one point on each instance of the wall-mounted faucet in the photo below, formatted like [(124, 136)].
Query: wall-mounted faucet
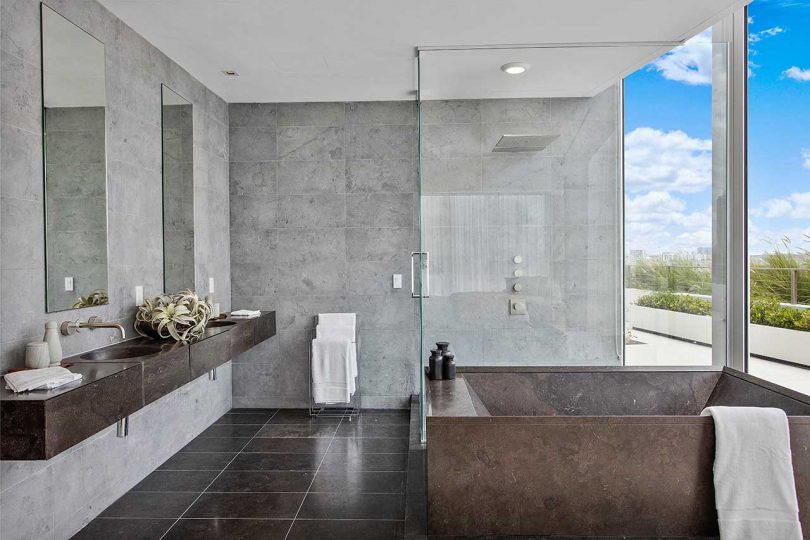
[(70, 327)]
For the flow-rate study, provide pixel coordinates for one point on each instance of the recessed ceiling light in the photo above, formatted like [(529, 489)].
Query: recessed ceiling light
[(515, 68), (230, 72)]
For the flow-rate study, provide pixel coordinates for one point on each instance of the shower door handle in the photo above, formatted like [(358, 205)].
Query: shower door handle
[(426, 274)]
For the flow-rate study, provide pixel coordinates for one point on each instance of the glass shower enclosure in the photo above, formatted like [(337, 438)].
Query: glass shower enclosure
[(520, 206)]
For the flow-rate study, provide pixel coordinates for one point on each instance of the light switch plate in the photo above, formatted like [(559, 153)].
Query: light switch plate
[(517, 306), (138, 295), (210, 285), (69, 284), (397, 281)]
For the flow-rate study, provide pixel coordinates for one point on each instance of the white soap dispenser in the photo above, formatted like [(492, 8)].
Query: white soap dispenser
[(54, 345)]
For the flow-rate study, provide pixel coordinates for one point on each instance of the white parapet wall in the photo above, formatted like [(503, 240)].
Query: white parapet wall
[(768, 341)]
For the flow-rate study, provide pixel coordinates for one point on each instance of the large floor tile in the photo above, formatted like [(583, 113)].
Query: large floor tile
[(246, 430), (176, 481), (243, 418), (262, 481), (137, 504), (252, 411), (372, 430), (301, 416), (345, 530), (359, 482), (124, 529), (351, 461), (352, 506), (234, 529), (298, 430), (369, 446), (275, 462), (197, 461), (383, 418), (289, 445), (246, 505), (216, 444)]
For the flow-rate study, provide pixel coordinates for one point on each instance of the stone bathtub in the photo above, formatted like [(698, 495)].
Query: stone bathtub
[(588, 451)]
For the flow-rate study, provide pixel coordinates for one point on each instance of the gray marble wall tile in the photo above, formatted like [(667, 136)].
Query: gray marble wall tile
[(346, 181), (251, 212), (451, 140), (106, 466), (253, 144), (252, 115)]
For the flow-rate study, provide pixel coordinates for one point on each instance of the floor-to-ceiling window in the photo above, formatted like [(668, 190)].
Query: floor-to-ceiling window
[(779, 191), (674, 139)]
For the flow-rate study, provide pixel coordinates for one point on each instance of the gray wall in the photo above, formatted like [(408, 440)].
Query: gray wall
[(323, 205), (76, 191), (52, 499), (556, 208)]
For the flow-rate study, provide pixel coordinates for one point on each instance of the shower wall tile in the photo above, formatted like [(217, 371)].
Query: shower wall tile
[(107, 466), (321, 227)]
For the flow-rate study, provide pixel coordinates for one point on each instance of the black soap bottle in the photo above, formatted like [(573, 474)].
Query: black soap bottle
[(448, 366), (436, 365), (443, 346)]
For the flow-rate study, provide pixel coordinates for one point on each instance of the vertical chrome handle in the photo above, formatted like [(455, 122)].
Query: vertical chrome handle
[(426, 281)]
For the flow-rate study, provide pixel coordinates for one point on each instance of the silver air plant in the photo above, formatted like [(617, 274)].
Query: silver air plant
[(181, 316)]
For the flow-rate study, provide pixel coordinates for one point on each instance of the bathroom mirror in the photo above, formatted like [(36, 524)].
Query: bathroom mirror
[(74, 158), (178, 191)]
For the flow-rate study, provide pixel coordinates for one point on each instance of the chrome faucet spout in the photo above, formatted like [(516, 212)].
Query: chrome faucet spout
[(70, 327)]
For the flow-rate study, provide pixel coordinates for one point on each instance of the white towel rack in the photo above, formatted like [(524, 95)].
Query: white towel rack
[(335, 410)]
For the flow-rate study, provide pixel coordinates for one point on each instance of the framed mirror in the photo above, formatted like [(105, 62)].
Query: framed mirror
[(178, 191), (74, 158)]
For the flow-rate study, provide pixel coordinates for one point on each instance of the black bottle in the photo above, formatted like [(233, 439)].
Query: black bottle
[(449, 366), (436, 365), (443, 346)]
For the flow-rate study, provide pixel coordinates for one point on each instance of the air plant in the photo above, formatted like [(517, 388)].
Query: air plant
[(181, 316), (98, 297)]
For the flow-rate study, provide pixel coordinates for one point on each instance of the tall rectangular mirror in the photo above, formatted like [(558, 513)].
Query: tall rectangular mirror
[(73, 116), (178, 191)]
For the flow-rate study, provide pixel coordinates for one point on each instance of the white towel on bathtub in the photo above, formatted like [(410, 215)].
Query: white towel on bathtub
[(754, 490)]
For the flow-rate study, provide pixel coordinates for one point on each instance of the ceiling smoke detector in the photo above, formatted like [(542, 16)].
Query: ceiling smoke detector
[(515, 68)]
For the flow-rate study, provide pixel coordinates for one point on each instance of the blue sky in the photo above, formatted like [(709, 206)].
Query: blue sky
[(668, 137)]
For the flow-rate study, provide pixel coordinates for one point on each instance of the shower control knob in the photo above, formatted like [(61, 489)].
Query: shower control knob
[(518, 273), (517, 287), (517, 259)]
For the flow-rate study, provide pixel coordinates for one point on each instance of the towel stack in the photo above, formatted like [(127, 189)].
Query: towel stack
[(334, 358), (245, 314), (39, 379)]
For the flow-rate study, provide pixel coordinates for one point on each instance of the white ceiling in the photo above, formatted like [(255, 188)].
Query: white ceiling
[(363, 50)]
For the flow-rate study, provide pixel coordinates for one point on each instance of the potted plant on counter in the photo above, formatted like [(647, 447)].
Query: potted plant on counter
[(181, 316)]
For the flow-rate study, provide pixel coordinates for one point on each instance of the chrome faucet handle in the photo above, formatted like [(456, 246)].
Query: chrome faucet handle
[(68, 328)]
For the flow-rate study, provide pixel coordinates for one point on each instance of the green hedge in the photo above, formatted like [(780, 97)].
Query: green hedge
[(764, 312), (682, 303)]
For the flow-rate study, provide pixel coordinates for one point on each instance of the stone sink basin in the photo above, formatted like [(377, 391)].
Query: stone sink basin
[(122, 353)]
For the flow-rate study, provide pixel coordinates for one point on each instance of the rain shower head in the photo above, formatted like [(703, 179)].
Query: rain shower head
[(524, 143)]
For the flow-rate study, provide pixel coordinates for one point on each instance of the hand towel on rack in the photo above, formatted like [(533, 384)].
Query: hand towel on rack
[(337, 319), (334, 332), (334, 368), (754, 490)]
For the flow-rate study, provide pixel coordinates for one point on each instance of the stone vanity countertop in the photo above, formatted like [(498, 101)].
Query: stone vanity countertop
[(42, 423), (91, 374)]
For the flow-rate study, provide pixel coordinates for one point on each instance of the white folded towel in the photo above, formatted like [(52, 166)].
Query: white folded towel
[(334, 369), (337, 319), (334, 332), (246, 313), (39, 379), (754, 489)]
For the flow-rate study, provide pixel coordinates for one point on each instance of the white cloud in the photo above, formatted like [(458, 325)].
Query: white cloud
[(794, 206), (806, 158), (797, 74), (670, 161), (690, 63), (756, 37), (657, 221)]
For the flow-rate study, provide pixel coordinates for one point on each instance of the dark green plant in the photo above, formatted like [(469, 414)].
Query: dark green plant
[(682, 303)]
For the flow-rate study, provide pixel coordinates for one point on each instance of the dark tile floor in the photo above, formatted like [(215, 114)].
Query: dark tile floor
[(273, 474)]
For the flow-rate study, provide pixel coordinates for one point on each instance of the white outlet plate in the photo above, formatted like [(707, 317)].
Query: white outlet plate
[(397, 281), (210, 285), (69, 284), (138, 295)]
